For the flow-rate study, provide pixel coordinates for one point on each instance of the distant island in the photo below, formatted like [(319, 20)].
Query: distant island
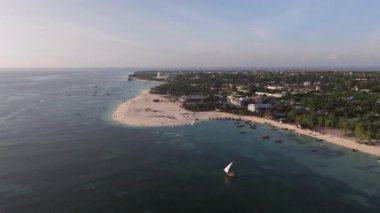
[(336, 106)]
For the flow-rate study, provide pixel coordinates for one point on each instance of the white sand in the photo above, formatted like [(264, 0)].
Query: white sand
[(143, 111)]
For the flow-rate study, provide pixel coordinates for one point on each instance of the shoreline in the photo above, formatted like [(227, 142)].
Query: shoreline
[(152, 110), (143, 80)]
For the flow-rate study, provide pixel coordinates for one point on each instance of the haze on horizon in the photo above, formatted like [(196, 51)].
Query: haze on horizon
[(199, 33)]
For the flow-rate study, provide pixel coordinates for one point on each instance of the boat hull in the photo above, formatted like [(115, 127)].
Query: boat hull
[(231, 174)]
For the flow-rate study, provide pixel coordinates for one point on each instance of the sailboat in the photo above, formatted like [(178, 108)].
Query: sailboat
[(228, 171)]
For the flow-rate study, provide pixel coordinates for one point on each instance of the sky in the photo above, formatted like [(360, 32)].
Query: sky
[(189, 33)]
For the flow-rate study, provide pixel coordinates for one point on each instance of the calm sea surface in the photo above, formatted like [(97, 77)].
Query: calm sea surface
[(60, 152)]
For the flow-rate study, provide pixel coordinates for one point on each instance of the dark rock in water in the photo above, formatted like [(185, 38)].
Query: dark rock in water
[(323, 151), (371, 169), (242, 132), (300, 141), (375, 170)]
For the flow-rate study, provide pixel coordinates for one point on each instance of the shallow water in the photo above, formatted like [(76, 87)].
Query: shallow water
[(59, 152)]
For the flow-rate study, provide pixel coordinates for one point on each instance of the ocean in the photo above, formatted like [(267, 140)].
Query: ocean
[(61, 152)]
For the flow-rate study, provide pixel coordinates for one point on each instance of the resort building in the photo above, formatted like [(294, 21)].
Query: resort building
[(256, 107), (238, 101), (274, 87), (355, 88), (243, 89), (273, 95), (162, 76)]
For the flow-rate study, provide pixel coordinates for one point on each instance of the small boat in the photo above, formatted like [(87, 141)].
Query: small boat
[(229, 172), (192, 122), (265, 137)]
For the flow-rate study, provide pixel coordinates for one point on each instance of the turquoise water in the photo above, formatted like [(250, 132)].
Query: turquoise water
[(59, 152)]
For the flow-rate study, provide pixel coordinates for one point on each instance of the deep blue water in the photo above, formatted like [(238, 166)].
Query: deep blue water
[(60, 152)]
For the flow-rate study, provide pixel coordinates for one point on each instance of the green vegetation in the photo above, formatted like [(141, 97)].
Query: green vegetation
[(344, 100)]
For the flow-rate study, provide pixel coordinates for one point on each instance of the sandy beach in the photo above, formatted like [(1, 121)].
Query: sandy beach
[(144, 111), (157, 110)]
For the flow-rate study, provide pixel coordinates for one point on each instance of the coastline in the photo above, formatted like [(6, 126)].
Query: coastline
[(143, 80), (150, 110), (142, 110)]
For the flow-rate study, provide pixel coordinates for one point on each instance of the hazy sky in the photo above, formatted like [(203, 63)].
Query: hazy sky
[(170, 33)]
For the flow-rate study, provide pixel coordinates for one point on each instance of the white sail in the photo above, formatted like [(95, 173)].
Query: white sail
[(228, 167)]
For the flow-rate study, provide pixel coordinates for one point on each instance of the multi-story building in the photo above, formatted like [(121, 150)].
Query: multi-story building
[(238, 101), (256, 107)]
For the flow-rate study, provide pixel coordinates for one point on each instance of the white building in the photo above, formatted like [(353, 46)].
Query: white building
[(242, 89), (237, 101), (255, 107), (274, 87), (355, 88), (161, 75), (273, 95)]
